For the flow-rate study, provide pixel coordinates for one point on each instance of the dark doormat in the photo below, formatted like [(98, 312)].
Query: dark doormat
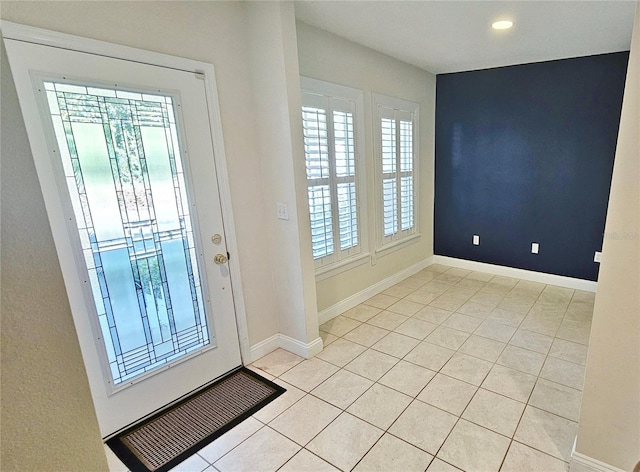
[(177, 432)]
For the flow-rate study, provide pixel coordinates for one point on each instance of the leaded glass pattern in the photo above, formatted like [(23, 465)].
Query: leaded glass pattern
[(123, 168)]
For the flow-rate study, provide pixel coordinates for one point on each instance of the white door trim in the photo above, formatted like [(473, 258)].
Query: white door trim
[(75, 43)]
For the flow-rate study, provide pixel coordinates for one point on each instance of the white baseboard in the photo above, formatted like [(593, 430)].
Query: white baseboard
[(551, 279), (581, 463), (356, 299), (287, 343)]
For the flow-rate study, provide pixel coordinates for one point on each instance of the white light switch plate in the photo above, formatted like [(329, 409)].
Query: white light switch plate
[(597, 257), (476, 240), (283, 211), (535, 247)]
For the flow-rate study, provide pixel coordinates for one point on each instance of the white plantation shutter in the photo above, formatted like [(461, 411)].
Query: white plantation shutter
[(397, 149), (330, 147)]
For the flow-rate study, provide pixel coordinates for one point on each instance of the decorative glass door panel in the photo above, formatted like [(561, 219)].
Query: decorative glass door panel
[(124, 152), (123, 167)]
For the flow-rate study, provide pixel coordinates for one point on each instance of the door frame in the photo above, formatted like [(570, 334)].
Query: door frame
[(206, 72)]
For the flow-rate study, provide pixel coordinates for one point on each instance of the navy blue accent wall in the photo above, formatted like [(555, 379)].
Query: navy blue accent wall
[(525, 154)]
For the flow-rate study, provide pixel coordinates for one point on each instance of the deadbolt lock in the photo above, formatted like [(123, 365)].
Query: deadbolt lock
[(220, 259), (216, 239)]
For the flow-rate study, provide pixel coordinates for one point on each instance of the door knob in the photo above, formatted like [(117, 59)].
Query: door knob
[(220, 259)]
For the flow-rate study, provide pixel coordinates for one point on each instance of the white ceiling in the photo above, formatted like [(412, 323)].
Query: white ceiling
[(454, 36)]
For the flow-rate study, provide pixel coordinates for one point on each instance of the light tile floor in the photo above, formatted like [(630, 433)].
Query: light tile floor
[(448, 370)]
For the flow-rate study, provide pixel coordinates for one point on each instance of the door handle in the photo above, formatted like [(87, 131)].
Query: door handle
[(220, 259)]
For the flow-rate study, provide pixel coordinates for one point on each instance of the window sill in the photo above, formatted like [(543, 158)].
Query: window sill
[(336, 268), (396, 245)]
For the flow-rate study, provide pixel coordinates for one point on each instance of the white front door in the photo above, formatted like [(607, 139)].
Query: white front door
[(125, 158)]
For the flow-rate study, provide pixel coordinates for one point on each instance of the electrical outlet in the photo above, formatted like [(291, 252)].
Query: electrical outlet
[(597, 257), (535, 247), (283, 211), (476, 240)]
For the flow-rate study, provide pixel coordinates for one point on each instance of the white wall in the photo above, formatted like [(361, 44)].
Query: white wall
[(328, 57), (609, 429)]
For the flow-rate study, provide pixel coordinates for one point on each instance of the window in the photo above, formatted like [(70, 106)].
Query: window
[(331, 133), (396, 129)]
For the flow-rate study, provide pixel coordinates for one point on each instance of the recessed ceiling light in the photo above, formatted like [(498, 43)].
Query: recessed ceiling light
[(502, 24)]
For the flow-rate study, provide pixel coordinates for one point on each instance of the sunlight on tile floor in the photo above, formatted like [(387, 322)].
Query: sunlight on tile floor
[(448, 370)]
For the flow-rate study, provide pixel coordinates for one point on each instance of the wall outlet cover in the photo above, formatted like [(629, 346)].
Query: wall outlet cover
[(597, 256), (535, 248), (283, 211), (476, 240)]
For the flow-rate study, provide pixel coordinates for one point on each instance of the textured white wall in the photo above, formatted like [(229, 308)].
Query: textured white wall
[(328, 57), (609, 429)]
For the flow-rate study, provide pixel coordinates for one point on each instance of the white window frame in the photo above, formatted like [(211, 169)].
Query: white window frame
[(318, 93), (391, 107)]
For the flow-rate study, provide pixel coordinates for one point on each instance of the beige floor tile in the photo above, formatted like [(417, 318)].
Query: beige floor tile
[(486, 298), (461, 322), (399, 291), (516, 304), (406, 307), (569, 351), (417, 329), (447, 302), (345, 441), (229, 440), (495, 412), (429, 355), (371, 364), (473, 448), (482, 348), (366, 334), (267, 376), (547, 432), (309, 374), (574, 331), (195, 463), (447, 337), (420, 297), (437, 288), (424, 426), (339, 326), (413, 282), (437, 268), (280, 404), (380, 406), (522, 359), (425, 275), (381, 301), (341, 352), (388, 320), (475, 309), (448, 394), (433, 315), (463, 293), (278, 362), (362, 312), (393, 454), (541, 324), (305, 419), (506, 317), (459, 271), (509, 382), (266, 451), (304, 461), (438, 465), (494, 330), (523, 458), (557, 399), (327, 338), (468, 282), (342, 388), (396, 345), (482, 276), (466, 368), (533, 341), (407, 378), (563, 372), (450, 279)]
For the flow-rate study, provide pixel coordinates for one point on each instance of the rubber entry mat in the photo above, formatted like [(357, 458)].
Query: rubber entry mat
[(170, 436)]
